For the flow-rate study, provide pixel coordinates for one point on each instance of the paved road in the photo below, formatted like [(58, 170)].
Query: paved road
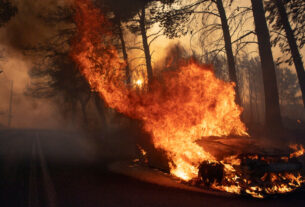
[(47, 168)]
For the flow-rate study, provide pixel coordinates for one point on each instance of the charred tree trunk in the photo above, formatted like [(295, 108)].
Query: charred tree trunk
[(146, 46), (272, 113), (228, 47), (297, 59), (125, 55)]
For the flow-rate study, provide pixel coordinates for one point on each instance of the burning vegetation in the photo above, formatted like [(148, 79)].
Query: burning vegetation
[(179, 108)]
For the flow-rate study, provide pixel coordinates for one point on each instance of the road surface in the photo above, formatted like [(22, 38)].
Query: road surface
[(54, 168)]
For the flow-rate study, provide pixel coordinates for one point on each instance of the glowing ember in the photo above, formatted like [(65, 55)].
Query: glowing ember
[(143, 152), (299, 150), (177, 110)]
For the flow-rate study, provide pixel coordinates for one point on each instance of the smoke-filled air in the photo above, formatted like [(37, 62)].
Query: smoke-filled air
[(198, 101)]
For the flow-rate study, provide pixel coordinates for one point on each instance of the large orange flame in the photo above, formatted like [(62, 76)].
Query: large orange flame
[(177, 109)]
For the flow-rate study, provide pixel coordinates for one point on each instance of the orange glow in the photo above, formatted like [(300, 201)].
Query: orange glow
[(299, 150), (139, 83), (180, 108)]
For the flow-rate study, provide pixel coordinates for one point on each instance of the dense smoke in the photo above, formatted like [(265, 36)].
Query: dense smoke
[(26, 29)]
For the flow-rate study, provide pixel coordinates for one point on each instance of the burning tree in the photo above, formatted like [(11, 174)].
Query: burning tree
[(55, 75), (175, 20), (181, 107), (177, 110)]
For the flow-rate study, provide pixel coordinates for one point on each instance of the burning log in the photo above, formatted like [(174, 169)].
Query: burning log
[(210, 173)]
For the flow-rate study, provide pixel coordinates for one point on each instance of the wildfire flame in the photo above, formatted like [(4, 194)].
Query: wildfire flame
[(139, 83), (177, 109), (298, 150)]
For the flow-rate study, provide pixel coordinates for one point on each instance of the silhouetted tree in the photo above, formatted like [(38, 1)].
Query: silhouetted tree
[(295, 10), (252, 88), (122, 11), (279, 17), (124, 50), (288, 86), (228, 47), (175, 23), (55, 74), (272, 112), (145, 18), (290, 97), (143, 28), (139, 25)]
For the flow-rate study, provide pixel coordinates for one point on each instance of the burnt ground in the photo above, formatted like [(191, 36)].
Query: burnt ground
[(57, 168)]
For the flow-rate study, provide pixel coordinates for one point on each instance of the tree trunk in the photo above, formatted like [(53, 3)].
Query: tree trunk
[(146, 46), (256, 104), (228, 47), (297, 59), (272, 113), (250, 97), (125, 55)]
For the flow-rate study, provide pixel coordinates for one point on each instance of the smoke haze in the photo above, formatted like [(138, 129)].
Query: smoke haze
[(22, 31)]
